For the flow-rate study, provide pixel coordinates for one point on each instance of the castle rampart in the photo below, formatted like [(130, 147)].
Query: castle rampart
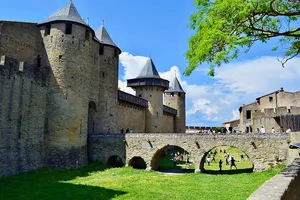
[(22, 116)]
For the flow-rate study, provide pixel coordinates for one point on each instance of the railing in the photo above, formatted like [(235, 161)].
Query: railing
[(123, 96)]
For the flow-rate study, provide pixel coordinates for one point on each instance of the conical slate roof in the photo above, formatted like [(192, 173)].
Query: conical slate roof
[(67, 13), (104, 37), (149, 70), (175, 87)]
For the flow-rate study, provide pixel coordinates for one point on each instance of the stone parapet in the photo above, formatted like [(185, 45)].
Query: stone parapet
[(283, 186), (10, 66)]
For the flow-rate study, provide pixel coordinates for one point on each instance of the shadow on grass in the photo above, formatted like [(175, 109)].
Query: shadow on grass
[(49, 184), (231, 171)]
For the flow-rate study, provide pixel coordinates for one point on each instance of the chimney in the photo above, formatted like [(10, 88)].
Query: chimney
[(281, 89)]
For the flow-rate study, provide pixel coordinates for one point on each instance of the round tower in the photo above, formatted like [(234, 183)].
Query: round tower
[(108, 85), (148, 85), (67, 40), (175, 98)]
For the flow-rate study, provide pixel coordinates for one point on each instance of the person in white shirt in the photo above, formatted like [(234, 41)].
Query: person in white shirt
[(262, 130), (273, 130)]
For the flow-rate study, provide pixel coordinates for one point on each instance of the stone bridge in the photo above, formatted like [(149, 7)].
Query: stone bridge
[(262, 150)]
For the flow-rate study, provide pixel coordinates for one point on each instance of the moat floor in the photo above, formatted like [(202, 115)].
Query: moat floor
[(96, 182)]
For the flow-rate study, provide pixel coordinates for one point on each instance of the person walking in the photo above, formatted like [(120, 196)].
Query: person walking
[(174, 160), (208, 160), (220, 164), (232, 163)]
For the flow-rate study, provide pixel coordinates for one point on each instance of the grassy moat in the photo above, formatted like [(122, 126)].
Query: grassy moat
[(97, 182)]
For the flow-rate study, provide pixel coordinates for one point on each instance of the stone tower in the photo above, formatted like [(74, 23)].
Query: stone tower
[(148, 85), (108, 87), (68, 43), (175, 98)]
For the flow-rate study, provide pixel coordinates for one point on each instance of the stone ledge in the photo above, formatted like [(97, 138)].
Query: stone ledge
[(283, 186)]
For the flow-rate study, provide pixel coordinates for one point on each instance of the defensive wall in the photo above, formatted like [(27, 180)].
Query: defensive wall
[(262, 150), (22, 116)]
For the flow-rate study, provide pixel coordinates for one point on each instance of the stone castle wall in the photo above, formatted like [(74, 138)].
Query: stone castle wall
[(22, 116), (169, 123), (131, 116), (21, 41), (177, 101)]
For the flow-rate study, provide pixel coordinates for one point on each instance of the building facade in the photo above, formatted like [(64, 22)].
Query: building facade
[(59, 84), (279, 110)]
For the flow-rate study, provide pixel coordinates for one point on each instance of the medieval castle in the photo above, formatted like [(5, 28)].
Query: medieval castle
[(59, 84)]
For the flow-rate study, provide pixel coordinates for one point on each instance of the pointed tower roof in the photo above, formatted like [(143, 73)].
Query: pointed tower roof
[(148, 77), (175, 87), (67, 13), (149, 70), (103, 36)]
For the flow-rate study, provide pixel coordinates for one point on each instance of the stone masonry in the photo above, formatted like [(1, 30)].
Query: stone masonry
[(59, 85), (262, 150)]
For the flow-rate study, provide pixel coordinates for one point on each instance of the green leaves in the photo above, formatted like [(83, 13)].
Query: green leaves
[(225, 27)]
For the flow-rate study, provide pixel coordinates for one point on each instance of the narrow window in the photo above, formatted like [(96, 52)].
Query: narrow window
[(248, 114), (47, 30), (179, 94), (270, 99), (68, 29), (116, 53), (289, 110), (87, 34), (38, 61), (101, 50), (140, 95), (103, 74)]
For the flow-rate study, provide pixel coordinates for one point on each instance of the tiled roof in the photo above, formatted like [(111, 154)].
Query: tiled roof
[(149, 70), (104, 37), (175, 87), (67, 13)]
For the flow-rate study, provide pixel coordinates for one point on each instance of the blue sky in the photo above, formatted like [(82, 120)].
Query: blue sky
[(160, 29)]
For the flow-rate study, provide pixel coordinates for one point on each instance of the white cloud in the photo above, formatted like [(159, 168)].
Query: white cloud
[(124, 88), (234, 84), (262, 75), (132, 64)]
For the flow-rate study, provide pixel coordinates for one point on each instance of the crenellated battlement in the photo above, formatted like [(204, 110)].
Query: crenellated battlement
[(276, 112), (10, 67)]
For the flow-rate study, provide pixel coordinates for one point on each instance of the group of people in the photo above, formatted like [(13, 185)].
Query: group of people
[(228, 158), (181, 157), (127, 131), (262, 130), (222, 131)]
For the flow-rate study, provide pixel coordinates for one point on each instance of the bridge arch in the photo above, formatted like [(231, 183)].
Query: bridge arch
[(236, 157), (115, 161), (137, 162), (154, 163)]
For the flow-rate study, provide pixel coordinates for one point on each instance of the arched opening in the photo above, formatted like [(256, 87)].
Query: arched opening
[(91, 126), (226, 160), (138, 163), (91, 117), (115, 161), (173, 159)]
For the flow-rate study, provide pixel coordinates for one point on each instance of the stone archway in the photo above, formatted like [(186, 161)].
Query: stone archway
[(115, 161), (244, 163), (166, 154), (137, 162)]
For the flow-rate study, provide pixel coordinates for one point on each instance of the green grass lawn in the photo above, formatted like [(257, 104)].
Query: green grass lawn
[(96, 182), (242, 165)]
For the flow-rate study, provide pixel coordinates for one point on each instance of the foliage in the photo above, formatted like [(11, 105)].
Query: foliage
[(98, 182), (223, 28)]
